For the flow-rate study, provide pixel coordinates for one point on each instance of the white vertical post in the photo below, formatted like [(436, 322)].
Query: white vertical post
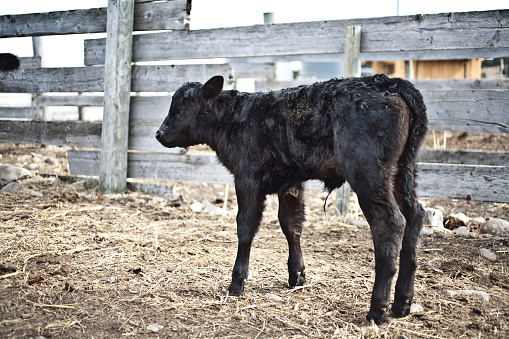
[(351, 68), (39, 111), (117, 88)]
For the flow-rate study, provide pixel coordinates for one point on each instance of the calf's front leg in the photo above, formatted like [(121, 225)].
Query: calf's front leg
[(249, 216)]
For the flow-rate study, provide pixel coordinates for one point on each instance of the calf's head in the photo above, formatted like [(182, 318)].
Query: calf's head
[(191, 114)]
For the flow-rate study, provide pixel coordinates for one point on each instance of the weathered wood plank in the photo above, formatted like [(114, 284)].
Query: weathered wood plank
[(117, 89), (147, 17), (149, 110), (464, 157), (69, 100), (453, 54), (81, 134), (456, 84), (482, 183), (245, 70), (434, 32), (30, 62), (487, 110), (351, 68), (19, 113), (421, 84), (158, 166), (153, 78)]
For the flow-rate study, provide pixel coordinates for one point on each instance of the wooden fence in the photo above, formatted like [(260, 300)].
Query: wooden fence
[(458, 105)]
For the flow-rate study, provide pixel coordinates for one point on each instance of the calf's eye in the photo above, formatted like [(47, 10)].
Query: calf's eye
[(181, 111)]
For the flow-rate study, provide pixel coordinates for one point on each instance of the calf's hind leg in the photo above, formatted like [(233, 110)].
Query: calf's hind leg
[(387, 226), (291, 218), (404, 291)]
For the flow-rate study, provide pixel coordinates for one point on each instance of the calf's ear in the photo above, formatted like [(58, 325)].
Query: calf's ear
[(213, 87)]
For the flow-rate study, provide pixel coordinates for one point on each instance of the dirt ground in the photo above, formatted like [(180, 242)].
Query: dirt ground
[(78, 264)]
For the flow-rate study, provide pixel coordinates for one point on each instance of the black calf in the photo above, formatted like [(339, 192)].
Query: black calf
[(363, 130)]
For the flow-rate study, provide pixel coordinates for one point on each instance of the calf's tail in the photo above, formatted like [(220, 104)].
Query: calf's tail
[(417, 132)]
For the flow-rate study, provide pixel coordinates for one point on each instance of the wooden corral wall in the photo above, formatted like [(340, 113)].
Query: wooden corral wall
[(464, 105)]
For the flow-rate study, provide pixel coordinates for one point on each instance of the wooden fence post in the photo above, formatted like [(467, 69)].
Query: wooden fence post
[(38, 110), (351, 68), (117, 88)]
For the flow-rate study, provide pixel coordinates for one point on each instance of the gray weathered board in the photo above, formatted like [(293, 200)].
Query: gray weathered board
[(147, 17), (83, 134), (464, 157), (146, 115), (482, 183), (153, 78), (457, 54), (481, 110), (421, 84), (409, 34)]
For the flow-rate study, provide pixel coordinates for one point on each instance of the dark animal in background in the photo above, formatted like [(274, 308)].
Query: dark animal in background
[(8, 62), (363, 130)]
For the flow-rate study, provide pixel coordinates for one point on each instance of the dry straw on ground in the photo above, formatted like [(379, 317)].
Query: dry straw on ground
[(79, 264)]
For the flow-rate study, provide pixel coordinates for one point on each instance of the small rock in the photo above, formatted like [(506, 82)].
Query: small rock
[(434, 217), (483, 296), (196, 207), (463, 230), (479, 220), (10, 173), (154, 328), (132, 281), (36, 194), (111, 280), (274, 297), (11, 187), (456, 220), (486, 253), (33, 166), (51, 161), (416, 308), (26, 158), (358, 223), (498, 227), (208, 207), (175, 199)]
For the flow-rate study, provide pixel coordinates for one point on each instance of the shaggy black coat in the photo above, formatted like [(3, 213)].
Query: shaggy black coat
[(8, 62), (363, 130)]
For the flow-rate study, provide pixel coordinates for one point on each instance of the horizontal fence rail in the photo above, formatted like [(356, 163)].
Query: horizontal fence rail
[(148, 16), (482, 183), (153, 78), (406, 35)]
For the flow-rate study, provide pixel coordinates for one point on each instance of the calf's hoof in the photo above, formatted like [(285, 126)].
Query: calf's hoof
[(297, 279), (378, 316), (401, 309), (236, 288)]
